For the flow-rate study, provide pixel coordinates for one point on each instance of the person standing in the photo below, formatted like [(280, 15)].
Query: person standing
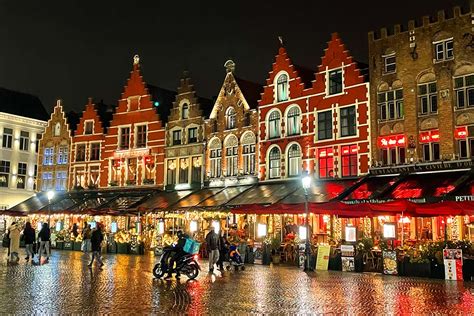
[(75, 231), (14, 232), (44, 237), (29, 236), (86, 238), (212, 241), (96, 242), (223, 249)]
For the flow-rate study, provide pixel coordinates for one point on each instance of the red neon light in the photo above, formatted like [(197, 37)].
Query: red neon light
[(391, 141), (460, 132), (429, 136), (325, 152)]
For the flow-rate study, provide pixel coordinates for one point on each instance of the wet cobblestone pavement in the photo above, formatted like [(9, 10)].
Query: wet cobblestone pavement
[(126, 285)]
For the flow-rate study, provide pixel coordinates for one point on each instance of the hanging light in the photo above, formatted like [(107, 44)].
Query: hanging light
[(193, 225)]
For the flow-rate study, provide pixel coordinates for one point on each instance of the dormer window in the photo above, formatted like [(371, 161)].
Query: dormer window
[(335, 81), (185, 111), (390, 63), (444, 50), (88, 127), (230, 118), (282, 88)]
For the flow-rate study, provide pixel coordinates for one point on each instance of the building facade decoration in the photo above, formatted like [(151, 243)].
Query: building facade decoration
[(185, 139), (428, 99), (231, 132), (133, 152), (54, 152)]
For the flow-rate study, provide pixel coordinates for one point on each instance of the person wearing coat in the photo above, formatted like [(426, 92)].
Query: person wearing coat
[(14, 232), (96, 242), (29, 235), (44, 237)]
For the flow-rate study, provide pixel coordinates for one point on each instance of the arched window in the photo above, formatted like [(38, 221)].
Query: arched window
[(230, 118), (185, 111), (274, 124), (293, 121), (57, 129), (248, 142), (274, 163), (294, 161), (215, 155), (231, 149), (282, 88)]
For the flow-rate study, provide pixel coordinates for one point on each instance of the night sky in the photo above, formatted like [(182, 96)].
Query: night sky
[(76, 49)]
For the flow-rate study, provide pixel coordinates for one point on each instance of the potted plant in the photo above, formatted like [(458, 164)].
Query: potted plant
[(418, 263), (275, 248)]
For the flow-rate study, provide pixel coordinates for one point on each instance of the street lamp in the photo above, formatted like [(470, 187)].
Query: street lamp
[(50, 195), (306, 181)]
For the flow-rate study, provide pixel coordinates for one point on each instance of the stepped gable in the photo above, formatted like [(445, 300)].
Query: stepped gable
[(22, 104), (90, 113)]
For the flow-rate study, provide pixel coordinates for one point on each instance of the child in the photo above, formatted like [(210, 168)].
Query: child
[(235, 255)]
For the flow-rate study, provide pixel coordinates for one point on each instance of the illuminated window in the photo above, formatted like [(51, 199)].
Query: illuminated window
[(335, 81), (57, 129), (196, 170), (231, 117), (80, 152), (185, 111), (192, 135), (4, 173), (95, 151), (7, 138), (88, 127), (124, 138), (24, 140), (183, 170), (47, 183), (348, 121), (171, 172), (216, 155), (63, 155), (274, 163), (249, 158), (390, 104), (274, 124), (293, 121), (282, 88), (177, 137), (141, 136), (231, 160), (349, 161), (48, 156), (61, 180), (294, 161), (326, 163)]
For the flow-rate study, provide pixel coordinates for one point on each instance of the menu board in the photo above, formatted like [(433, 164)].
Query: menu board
[(258, 250), (351, 234), (347, 258), (323, 257), (389, 262), (452, 264)]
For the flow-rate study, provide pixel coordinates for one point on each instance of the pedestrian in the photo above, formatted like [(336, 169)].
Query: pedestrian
[(29, 236), (212, 241), (223, 249), (75, 231), (86, 238), (14, 232), (96, 241), (44, 237)]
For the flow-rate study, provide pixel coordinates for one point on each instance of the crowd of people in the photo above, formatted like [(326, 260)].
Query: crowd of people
[(40, 243)]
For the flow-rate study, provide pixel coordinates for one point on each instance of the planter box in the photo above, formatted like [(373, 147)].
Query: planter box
[(137, 249), (60, 245), (122, 248), (468, 269), (68, 245), (437, 270), (77, 246), (422, 270)]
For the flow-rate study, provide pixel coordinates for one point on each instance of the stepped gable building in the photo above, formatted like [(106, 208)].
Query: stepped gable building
[(339, 101), (232, 131), (87, 146), (54, 150), (422, 90), (185, 138), (284, 138), (133, 153), (22, 122)]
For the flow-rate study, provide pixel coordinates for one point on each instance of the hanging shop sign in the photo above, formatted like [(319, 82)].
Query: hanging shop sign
[(323, 257), (389, 262), (429, 136), (452, 264), (351, 234), (389, 231), (347, 258), (460, 132), (392, 141)]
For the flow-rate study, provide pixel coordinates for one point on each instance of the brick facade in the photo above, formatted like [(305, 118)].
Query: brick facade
[(421, 68), (133, 152), (54, 152), (231, 133)]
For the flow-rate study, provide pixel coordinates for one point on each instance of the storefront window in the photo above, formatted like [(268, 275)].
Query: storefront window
[(132, 171)]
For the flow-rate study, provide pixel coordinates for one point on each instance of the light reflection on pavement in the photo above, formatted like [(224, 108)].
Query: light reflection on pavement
[(125, 285)]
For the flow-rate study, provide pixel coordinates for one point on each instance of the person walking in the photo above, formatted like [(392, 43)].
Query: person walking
[(14, 232), (212, 241), (223, 250), (96, 242), (44, 237), (86, 238), (29, 235), (75, 231)]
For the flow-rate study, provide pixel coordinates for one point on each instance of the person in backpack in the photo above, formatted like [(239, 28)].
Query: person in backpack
[(14, 233), (96, 242), (44, 237), (29, 236), (212, 241)]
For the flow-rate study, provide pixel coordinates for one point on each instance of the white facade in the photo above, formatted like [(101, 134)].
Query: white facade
[(19, 137)]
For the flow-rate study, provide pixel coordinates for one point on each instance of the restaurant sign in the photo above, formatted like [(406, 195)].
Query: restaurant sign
[(463, 198), (132, 153), (391, 141)]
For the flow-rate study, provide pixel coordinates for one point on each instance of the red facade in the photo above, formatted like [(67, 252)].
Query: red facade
[(134, 145), (323, 128), (86, 150)]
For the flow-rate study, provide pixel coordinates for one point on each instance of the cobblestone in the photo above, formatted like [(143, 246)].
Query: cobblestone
[(126, 285)]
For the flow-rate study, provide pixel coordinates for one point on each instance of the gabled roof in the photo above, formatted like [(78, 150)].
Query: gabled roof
[(165, 99), (106, 112), (22, 104), (250, 90), (72, 119)]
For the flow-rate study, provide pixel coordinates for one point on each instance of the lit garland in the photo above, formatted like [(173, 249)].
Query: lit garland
[(337, 228), (367, 227)]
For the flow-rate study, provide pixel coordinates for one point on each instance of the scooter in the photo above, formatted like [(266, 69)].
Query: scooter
[(186, 264)]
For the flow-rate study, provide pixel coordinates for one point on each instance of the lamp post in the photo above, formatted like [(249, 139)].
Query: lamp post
[(50, 196), (306, 181)]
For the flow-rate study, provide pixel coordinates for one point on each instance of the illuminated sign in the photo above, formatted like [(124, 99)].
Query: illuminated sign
[(429, 136), (460, 132), (325, 152), (391, 141)]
